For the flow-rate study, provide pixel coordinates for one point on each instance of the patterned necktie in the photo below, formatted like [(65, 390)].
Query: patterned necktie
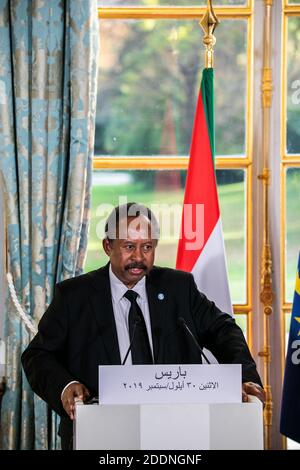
[(140, 349)]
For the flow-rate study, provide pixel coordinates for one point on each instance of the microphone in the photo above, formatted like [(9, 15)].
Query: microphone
[(137, 321), (183, 324)]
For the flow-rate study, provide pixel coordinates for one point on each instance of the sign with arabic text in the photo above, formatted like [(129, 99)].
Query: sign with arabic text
[(163, 383)]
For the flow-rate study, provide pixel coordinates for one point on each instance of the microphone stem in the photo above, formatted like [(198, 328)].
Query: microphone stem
[(196, 343), (131, 342)]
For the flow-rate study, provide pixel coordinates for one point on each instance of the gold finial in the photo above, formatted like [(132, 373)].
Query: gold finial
[(209, 23)]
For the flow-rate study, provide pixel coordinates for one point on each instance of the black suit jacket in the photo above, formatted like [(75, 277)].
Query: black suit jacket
[(78, 332)]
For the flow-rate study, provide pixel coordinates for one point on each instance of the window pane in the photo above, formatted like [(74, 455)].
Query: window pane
[(153, 3), (232, 198), (157, 187), (293, 86), (149, 76), (292, 230), (241, 320)]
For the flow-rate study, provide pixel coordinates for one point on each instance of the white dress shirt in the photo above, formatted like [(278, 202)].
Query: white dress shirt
[(121, 307)]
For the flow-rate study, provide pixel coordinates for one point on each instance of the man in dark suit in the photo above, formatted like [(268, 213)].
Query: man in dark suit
[(92, 319)]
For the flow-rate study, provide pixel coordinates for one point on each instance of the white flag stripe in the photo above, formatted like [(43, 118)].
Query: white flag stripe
[(210, 271)]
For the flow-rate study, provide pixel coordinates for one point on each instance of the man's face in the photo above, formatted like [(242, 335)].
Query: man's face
[(132, 254)]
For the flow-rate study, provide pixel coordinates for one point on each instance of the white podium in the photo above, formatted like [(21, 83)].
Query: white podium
[(169, 427)]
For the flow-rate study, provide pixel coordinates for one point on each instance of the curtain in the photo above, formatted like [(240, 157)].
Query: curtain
[(48, 83)]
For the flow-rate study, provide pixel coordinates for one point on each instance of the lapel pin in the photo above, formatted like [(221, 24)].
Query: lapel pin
[(160, 296)]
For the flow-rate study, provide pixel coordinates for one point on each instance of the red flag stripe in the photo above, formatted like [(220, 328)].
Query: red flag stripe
[(200, 188)]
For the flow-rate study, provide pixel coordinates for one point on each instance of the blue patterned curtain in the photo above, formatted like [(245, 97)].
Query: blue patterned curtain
[(48, 74)]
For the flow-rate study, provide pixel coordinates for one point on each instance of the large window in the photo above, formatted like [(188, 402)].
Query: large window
[(150, 68), (290, 150), (290, 162)]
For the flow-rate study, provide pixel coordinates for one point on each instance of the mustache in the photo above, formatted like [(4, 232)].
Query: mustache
[(136, 265)]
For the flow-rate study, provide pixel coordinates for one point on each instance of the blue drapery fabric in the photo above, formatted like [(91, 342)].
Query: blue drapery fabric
[(48, 82)]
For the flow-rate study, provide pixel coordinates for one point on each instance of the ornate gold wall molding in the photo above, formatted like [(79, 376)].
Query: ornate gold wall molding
[(266, 293), (267, 88)]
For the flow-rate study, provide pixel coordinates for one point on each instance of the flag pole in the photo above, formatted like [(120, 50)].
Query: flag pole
[(208, 23)]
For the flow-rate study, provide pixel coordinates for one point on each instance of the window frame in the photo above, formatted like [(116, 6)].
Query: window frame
[(287, 161), (168, 163)]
